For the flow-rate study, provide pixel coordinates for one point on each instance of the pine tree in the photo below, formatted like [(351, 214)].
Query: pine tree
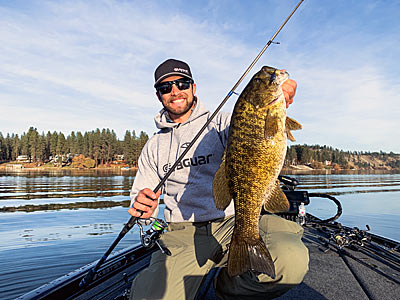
[(127, 147), (61, 144), (72, 144), (2, 148), (9, 145), (33, 143), (80, 142), (16, 147), (42, 153), (53, 144)]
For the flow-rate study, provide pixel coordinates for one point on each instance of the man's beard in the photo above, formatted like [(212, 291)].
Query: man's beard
[(183, 111)]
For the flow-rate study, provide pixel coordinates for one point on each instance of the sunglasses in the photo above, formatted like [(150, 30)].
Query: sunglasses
[(166, 87)]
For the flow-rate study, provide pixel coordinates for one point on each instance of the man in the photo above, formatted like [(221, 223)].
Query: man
[(198, 234)]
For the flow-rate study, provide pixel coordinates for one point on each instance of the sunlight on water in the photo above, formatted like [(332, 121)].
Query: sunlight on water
[(372, 199), (40, 243), (43, 228)]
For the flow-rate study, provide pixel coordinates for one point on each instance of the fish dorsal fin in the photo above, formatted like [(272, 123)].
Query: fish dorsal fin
[(276, 200), (292, 124), (222, 195)]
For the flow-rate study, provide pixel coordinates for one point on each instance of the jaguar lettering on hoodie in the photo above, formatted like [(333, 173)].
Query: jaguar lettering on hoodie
[(187, 162), (187, 193)]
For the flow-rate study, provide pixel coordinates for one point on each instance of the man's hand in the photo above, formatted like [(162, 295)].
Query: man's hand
[(289, 90), (146, 202)]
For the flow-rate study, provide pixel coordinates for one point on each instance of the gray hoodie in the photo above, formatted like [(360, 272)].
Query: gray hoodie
[(188, 191)]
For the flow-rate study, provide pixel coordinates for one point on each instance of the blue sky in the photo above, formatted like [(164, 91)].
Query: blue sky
[(81, 65)]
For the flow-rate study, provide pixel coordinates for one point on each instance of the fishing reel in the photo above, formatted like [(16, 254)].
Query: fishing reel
[(152, 235), (345, 238), (288, 183)]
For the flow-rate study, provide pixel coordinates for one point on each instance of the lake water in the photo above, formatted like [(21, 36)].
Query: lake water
[(38, 246)]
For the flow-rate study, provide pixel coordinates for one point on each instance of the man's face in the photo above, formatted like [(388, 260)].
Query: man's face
[(178, 102)]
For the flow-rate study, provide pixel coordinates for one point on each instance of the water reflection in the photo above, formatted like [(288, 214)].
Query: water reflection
[(33, 188), (38, 247), (70, 218), (339, 172), (372, 199), (59, 206), (44, 228), (351, 184), (68, 172)]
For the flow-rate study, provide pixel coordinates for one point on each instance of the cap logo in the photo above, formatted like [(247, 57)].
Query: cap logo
[(181, 70)]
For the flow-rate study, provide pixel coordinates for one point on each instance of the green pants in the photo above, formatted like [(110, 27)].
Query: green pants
[(198, 247)]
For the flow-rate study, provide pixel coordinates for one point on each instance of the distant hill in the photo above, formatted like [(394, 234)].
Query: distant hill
[(326, 157)]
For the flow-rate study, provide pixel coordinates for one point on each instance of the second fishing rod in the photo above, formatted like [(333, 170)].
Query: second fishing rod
[(133, 220)]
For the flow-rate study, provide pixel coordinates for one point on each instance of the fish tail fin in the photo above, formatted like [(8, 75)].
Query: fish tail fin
[(251, 255), (292, 124)]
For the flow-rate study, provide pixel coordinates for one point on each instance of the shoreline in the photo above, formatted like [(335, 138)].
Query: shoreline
[(15, 166)]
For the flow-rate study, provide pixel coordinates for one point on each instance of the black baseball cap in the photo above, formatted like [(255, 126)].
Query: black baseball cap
[(171, 67)]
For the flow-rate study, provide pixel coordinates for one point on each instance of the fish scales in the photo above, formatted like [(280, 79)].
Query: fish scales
[(251, 153), (253, 159)]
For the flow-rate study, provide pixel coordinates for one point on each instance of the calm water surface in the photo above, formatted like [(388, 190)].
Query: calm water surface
[(39, 246)]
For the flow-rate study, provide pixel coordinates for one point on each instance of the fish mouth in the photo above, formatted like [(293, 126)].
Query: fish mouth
[(276, 76), (279, 76)]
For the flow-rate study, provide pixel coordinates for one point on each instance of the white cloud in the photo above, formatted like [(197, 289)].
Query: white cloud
[(350, 109), (78, 65), (89, 56)]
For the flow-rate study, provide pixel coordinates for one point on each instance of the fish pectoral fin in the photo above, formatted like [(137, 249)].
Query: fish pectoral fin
[(276, 200), (249, 255), (292, 124), (222, 195), (271, 126)]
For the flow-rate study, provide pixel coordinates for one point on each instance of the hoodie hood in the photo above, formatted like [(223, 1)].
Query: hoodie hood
[(163, 122)]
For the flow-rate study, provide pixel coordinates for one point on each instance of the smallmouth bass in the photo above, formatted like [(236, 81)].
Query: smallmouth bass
[(253, 159)]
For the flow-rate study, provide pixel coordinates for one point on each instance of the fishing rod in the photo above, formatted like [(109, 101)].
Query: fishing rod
[(132, 221)]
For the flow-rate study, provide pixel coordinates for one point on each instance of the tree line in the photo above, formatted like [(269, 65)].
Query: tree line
[(103, 146), (316, 155), (100, 145)]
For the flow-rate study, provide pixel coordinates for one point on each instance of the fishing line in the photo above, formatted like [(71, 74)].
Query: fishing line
[(232, 91), (132, 221)]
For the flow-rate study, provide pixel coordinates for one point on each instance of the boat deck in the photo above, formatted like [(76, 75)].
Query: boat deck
[(368, 272), (347, 274)]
